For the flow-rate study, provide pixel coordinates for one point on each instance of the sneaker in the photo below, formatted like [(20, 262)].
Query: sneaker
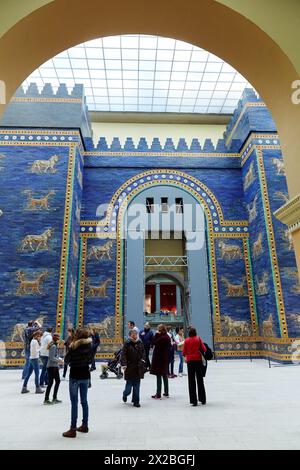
[(180, 375), (124, 398), (83, 428), (165, 395), (24, 390), (156, 397), (70, 433), (137, 405), (48, 402), (55, 400), (39, 390)]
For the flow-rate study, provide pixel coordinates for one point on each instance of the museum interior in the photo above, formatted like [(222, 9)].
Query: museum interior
[(149, 172)]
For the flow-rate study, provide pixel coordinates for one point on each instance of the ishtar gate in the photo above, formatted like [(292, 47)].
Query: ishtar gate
[(157, 231)]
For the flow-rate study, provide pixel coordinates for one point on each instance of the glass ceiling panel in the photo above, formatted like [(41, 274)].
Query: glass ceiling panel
[(140, 73)]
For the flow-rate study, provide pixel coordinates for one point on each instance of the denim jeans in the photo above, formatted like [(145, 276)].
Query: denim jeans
[(33, 366), (80, 386), (26, 365), (135, 385), (180, 369), (44, 373)]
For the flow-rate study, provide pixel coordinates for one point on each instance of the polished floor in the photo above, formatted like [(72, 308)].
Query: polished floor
[(249, 407)]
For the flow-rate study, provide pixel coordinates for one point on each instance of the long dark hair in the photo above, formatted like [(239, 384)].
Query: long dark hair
[(81, 333), (192, 331)]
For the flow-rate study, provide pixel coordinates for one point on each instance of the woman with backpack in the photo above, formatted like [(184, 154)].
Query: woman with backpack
[(193, 351)]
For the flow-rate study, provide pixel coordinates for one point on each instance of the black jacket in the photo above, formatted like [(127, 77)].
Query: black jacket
[(134, 358), (96, 340), (79, 357)]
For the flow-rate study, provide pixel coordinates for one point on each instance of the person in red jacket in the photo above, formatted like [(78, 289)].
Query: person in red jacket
[(193, 357)]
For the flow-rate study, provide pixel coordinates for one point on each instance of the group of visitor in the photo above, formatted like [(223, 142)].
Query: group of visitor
[(135, 361), (80, 348)]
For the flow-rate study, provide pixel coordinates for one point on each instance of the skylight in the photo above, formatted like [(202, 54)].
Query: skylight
[(138, 73)]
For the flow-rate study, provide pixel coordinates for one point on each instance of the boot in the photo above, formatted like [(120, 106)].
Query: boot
[(70, 433), (24, 390), (39, 390), (55, 400), (83, 428)]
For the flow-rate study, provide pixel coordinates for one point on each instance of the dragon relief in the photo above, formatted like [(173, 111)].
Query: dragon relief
[(249, 177), (235, 290), (99, 290), (30, 286), (41, 203)]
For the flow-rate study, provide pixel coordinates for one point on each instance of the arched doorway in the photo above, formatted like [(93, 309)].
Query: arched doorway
[(164, 232), (166, 300)]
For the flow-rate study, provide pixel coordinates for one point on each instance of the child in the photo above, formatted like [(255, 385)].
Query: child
[(53, 370)]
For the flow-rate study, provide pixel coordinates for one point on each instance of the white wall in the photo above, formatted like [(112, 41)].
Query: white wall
[(162, 131)]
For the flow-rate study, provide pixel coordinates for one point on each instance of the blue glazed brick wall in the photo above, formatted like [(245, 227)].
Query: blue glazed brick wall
[(277, 192), (261, 264), (100, 271), (33, 188), (34, 202)]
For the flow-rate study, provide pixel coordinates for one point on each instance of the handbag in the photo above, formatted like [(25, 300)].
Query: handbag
[(208, 354)]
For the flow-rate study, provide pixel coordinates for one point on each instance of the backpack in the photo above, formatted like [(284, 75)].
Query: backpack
[(28, 335), (208, 355)]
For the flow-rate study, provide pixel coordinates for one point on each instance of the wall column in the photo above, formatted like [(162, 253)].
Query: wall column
[(178, 300), (157, 297)]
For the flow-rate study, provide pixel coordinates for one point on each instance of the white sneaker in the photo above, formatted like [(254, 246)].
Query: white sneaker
[(180, 375)]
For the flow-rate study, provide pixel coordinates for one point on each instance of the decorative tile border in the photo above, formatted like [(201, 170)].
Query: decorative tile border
[(63, 277), (251, 289), (17, 99), (159, 154)]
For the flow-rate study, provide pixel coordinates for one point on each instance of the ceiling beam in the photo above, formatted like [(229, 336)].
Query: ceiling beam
[(159, 118)]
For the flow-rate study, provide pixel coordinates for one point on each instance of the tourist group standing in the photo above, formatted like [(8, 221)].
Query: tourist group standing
[(81, 347), (135, 361)]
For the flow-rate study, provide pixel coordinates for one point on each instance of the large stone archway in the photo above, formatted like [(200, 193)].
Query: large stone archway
[(208, 24)]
